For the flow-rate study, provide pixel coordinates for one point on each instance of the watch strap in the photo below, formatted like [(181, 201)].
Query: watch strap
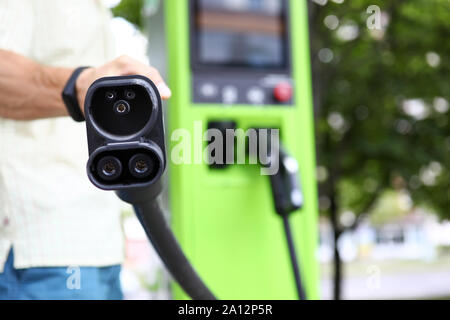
[(70, 97)]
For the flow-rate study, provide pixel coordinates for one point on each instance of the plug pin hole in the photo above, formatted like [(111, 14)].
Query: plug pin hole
[(130, 95), (121, 108), (110, 95)]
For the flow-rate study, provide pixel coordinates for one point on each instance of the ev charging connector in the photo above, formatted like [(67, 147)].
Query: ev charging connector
[(287, 194), (127, 154), (288, 198), (125, 133)]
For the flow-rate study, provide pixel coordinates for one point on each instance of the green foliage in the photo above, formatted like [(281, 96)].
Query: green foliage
[(391, 207), (130, 10), (366, 140)]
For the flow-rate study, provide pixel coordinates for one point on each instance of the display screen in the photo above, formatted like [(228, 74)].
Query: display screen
[(240, 33)]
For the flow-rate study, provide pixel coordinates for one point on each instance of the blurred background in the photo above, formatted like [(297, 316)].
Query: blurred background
[(381, 78)]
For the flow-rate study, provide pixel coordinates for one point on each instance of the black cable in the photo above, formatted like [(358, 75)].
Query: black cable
[(294, 261), (161, 236)]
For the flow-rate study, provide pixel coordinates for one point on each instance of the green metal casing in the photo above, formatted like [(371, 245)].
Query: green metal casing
[(225, 219)]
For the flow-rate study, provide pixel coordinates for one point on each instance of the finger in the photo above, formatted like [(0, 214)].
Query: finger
[(154, 75), (164, 90), (129, 66)]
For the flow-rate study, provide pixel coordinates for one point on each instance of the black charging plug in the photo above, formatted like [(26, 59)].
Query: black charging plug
[(125, 133), (127, 154), (286, 191)]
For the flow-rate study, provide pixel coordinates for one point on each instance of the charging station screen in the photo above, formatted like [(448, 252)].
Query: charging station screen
[(240, 33)]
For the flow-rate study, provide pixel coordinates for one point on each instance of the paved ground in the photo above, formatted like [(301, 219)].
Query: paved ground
[(392, 280)]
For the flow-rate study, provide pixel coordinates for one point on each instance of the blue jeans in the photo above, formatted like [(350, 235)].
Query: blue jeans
[(59, 283)]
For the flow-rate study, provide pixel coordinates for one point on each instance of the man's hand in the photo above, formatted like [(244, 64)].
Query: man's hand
[(30, 91), (122, 66)]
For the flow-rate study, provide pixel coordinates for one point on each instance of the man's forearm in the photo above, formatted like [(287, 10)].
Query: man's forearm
[(28, 90)]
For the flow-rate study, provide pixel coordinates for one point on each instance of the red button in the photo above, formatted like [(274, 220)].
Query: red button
[(283, 92)]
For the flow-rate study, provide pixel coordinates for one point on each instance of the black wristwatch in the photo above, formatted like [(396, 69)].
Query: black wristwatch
[(70, 97)]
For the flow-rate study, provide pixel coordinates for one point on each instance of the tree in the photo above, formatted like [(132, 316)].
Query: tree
[(381, 102)]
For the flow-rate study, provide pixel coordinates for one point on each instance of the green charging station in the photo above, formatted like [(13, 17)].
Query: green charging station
[(244, 62)]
